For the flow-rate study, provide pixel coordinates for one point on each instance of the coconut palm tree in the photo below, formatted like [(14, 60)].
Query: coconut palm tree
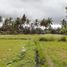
[(23, 19), (28, 21), (64, 23), (0, 18), (36, 22), (64, 26), (17, 24), (46, 22)]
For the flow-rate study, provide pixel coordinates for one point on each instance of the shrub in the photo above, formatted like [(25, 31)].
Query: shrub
[(42, 39), (63, 38), (46, 39)]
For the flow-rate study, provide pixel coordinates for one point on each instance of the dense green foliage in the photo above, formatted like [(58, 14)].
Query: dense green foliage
[(23, 25)]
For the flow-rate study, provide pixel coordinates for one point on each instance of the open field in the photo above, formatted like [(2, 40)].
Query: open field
[(11, 46)]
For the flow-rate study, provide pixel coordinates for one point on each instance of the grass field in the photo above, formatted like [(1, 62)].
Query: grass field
[(11, 46)]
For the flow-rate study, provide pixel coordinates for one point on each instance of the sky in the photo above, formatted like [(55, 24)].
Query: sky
[(34, 8)]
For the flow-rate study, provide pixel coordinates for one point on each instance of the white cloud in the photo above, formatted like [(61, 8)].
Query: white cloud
[(33, 8)]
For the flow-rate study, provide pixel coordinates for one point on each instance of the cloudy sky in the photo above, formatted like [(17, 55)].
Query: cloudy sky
[(33, 8)]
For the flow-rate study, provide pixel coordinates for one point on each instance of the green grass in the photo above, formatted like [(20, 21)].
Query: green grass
[(54, 52)]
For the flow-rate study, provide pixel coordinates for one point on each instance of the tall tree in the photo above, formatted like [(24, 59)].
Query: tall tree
[(66, 11), (5, 24), (64, 27), (23, 19), (36, 22), (64, 23), (6, 21), (17, 24), (28, 21), (0, 18), (46, 22)]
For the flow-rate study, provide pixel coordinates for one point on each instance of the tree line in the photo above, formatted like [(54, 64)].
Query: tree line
[(24, 25)]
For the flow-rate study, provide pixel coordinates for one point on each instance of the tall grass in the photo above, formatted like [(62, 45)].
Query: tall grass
[(53, 38), (39, 54)]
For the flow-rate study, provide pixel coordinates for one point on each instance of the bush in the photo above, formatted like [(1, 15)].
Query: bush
[(42, 39), (63, 38), (46, 39)]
